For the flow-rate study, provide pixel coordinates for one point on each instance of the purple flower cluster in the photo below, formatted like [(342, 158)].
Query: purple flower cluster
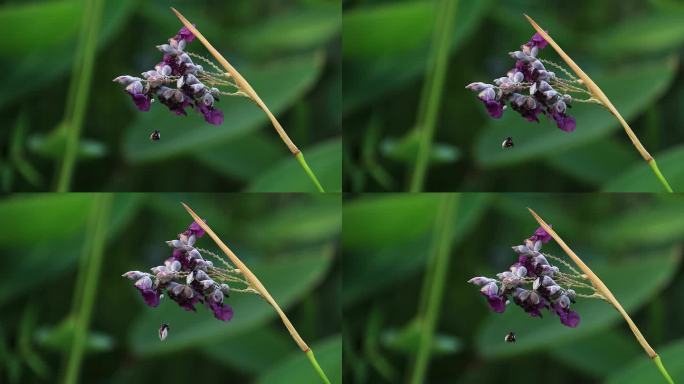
[(185, 278), (527, 89), (174, 82), (532, 268)]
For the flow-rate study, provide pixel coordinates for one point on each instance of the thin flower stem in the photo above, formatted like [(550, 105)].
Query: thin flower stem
[(93, 250), (317, 367), (598, 94), (243, 85), (434, 288), (606, 293), (258, 286), (432, 93), (79, 89)]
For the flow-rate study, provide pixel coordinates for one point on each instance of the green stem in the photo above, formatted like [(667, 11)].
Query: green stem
[(317, 367), (660, 176), (309, 172), (96, 237), (431, 97), (662, 369), (78, 96), (441, 249)]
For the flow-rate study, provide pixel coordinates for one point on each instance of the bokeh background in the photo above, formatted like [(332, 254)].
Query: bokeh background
[(43, 247), (632, 241), (631, 48), (287, 49)]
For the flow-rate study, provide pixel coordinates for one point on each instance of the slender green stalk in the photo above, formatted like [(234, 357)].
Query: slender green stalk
[(309, 172), (660, 176), (441, 248), (317, 367), (93, 250), (661, 368), (78, 99), (432, 95)]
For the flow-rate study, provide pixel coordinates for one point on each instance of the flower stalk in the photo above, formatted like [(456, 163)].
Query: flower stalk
[(247, 89), (598, 94), (603, 290), (256, 284)]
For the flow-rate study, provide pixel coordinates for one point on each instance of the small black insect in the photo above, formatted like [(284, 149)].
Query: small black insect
[(163, 331), (510, 337), (507, 143), (155, 136)]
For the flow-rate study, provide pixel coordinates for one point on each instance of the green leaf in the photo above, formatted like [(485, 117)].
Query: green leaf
[(656, 268), (640, 177), (374, 222), (43, 218), (279, 85), (297, 368), (385, 238), (29, 72), (645, 35), (252, 352), (405, 150), (646, 226), (373, 77), (287, 278), (243, 157), (407, 339), (387, 29), (59, 338), (598, 355), (631, 91), (595, 162), (297, 29), (643, 370), (37, 26), (325, 159)]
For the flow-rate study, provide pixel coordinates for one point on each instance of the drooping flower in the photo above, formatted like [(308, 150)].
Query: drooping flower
[(528, 89), (541, 235)]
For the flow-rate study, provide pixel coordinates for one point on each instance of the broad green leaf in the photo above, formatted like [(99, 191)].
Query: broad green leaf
[(407, 339), (252, 352), (645, 35), (41, 218), (317, 220), (385, 239), (596, 162), (375, 222), (297, 369), (599, 355), (59, 338), (297, 29), (29, 72), (53, 144), (640, 177), (405, 149), (367, 79), (643, 370), (287, 278), (325, 159), (244, 157), (37, 26), (279, 85), (387, 29), (644, 226), (631, 90), (652, 270)]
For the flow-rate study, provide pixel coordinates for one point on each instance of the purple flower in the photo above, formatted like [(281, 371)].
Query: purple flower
[(142, 101), (496, 303), (196, 229), (494, 108), (564, 122), (211, 115), (541, 235), (150, 295), (185, 34), (221, 311), (567, 317), (537, 41)]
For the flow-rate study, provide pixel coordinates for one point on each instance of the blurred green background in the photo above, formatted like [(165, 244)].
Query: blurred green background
[(287, 49), (632, 241), (299, 264), (631, 48)]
